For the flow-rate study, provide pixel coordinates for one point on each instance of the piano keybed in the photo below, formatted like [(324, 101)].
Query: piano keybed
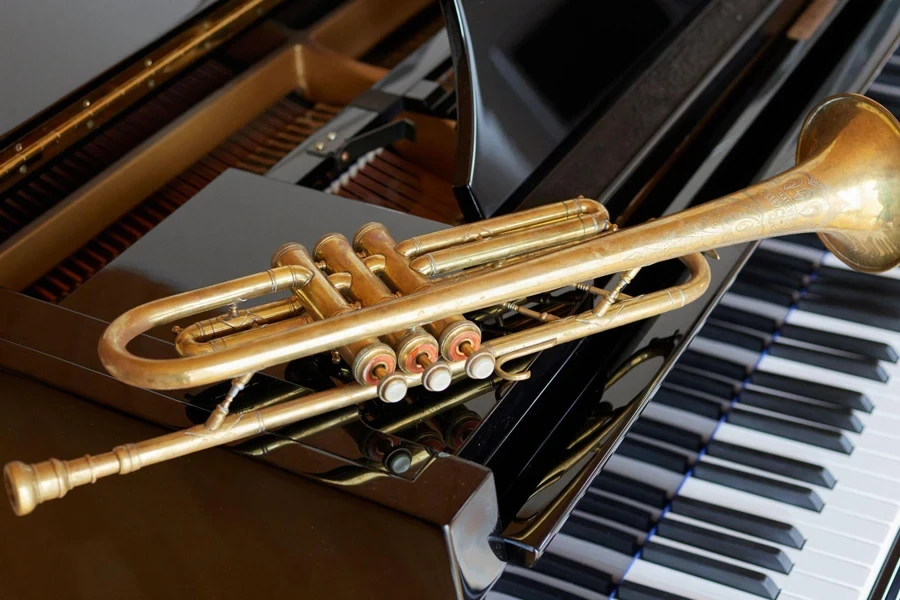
[(768, 463)]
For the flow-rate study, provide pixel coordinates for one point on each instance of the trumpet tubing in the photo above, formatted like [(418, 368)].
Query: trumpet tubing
[(395, 311)]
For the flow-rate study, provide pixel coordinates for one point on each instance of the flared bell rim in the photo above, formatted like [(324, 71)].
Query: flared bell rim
[(846, 245)]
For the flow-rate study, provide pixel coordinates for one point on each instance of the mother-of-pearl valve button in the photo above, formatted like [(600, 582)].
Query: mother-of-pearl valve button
[(392, 388), (481, 363), (437, 377)]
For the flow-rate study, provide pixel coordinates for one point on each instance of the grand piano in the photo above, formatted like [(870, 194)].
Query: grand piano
[(742, 447)]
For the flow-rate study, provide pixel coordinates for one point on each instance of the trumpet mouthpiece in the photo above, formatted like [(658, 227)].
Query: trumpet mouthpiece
[(21, 487)]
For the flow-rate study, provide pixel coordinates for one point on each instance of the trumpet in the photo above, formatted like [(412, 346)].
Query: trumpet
[(395, 312)]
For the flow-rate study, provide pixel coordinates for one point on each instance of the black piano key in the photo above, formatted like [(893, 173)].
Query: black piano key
[(761, 555), (807, 434), (773, 463), (688, 403), (733, 576), (775, 260), (628, 590), (654, 455), (665, 432), (754, 343), (761, 527), (811, 389), (711, 364), (744, 319), (699, 383), (858, 281), (788, 493), (865, 314), (617, 512), (629, 488), (838, 416), (600, 534), (785, 278), (780, 298), (851, 295), (575, 573), (844, 343), (529, 589), (852, 365)]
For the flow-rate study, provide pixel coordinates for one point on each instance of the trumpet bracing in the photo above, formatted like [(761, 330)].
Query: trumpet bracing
[(395, 311)]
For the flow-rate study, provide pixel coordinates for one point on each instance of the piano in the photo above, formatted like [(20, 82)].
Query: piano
[(741, 447)]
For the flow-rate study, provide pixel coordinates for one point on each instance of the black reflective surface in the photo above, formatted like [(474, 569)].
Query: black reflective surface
[(523, 84)]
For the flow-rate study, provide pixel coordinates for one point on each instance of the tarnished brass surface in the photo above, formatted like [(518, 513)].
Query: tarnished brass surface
[(845, 187)]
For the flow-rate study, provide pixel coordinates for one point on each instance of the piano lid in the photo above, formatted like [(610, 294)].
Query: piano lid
[(530, 73), (52, 48)]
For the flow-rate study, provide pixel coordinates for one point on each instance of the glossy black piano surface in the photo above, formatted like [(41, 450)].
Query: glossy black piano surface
[(690, 100)]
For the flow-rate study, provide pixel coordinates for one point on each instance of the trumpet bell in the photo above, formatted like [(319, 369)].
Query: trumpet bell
[(857, 141)]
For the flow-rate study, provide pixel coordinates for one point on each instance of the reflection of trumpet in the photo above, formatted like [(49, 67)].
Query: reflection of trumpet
[(845, 187)]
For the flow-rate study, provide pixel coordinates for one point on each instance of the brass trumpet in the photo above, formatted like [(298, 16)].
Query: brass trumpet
[(393, 311)]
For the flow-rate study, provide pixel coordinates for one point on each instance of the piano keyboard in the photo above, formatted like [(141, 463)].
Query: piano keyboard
[(768, 464)]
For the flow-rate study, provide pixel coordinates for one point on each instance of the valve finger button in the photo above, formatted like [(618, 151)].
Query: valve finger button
[(481, 363), (437, 377), (392, 388)]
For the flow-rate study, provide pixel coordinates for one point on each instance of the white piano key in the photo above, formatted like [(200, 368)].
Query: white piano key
[(741, 356), (655, 512), (874, 389), (883, 511), (639, 535), (676, 582), (807, 560), (799, 581), (820, 540), (840, 326), (556, 583), (611, 562), (755, 306), (829, 518), (838, 463), (641, 471), (689, 421)]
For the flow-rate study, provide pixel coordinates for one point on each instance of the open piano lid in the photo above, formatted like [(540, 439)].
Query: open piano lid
[(531, 73), (53, 48)]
